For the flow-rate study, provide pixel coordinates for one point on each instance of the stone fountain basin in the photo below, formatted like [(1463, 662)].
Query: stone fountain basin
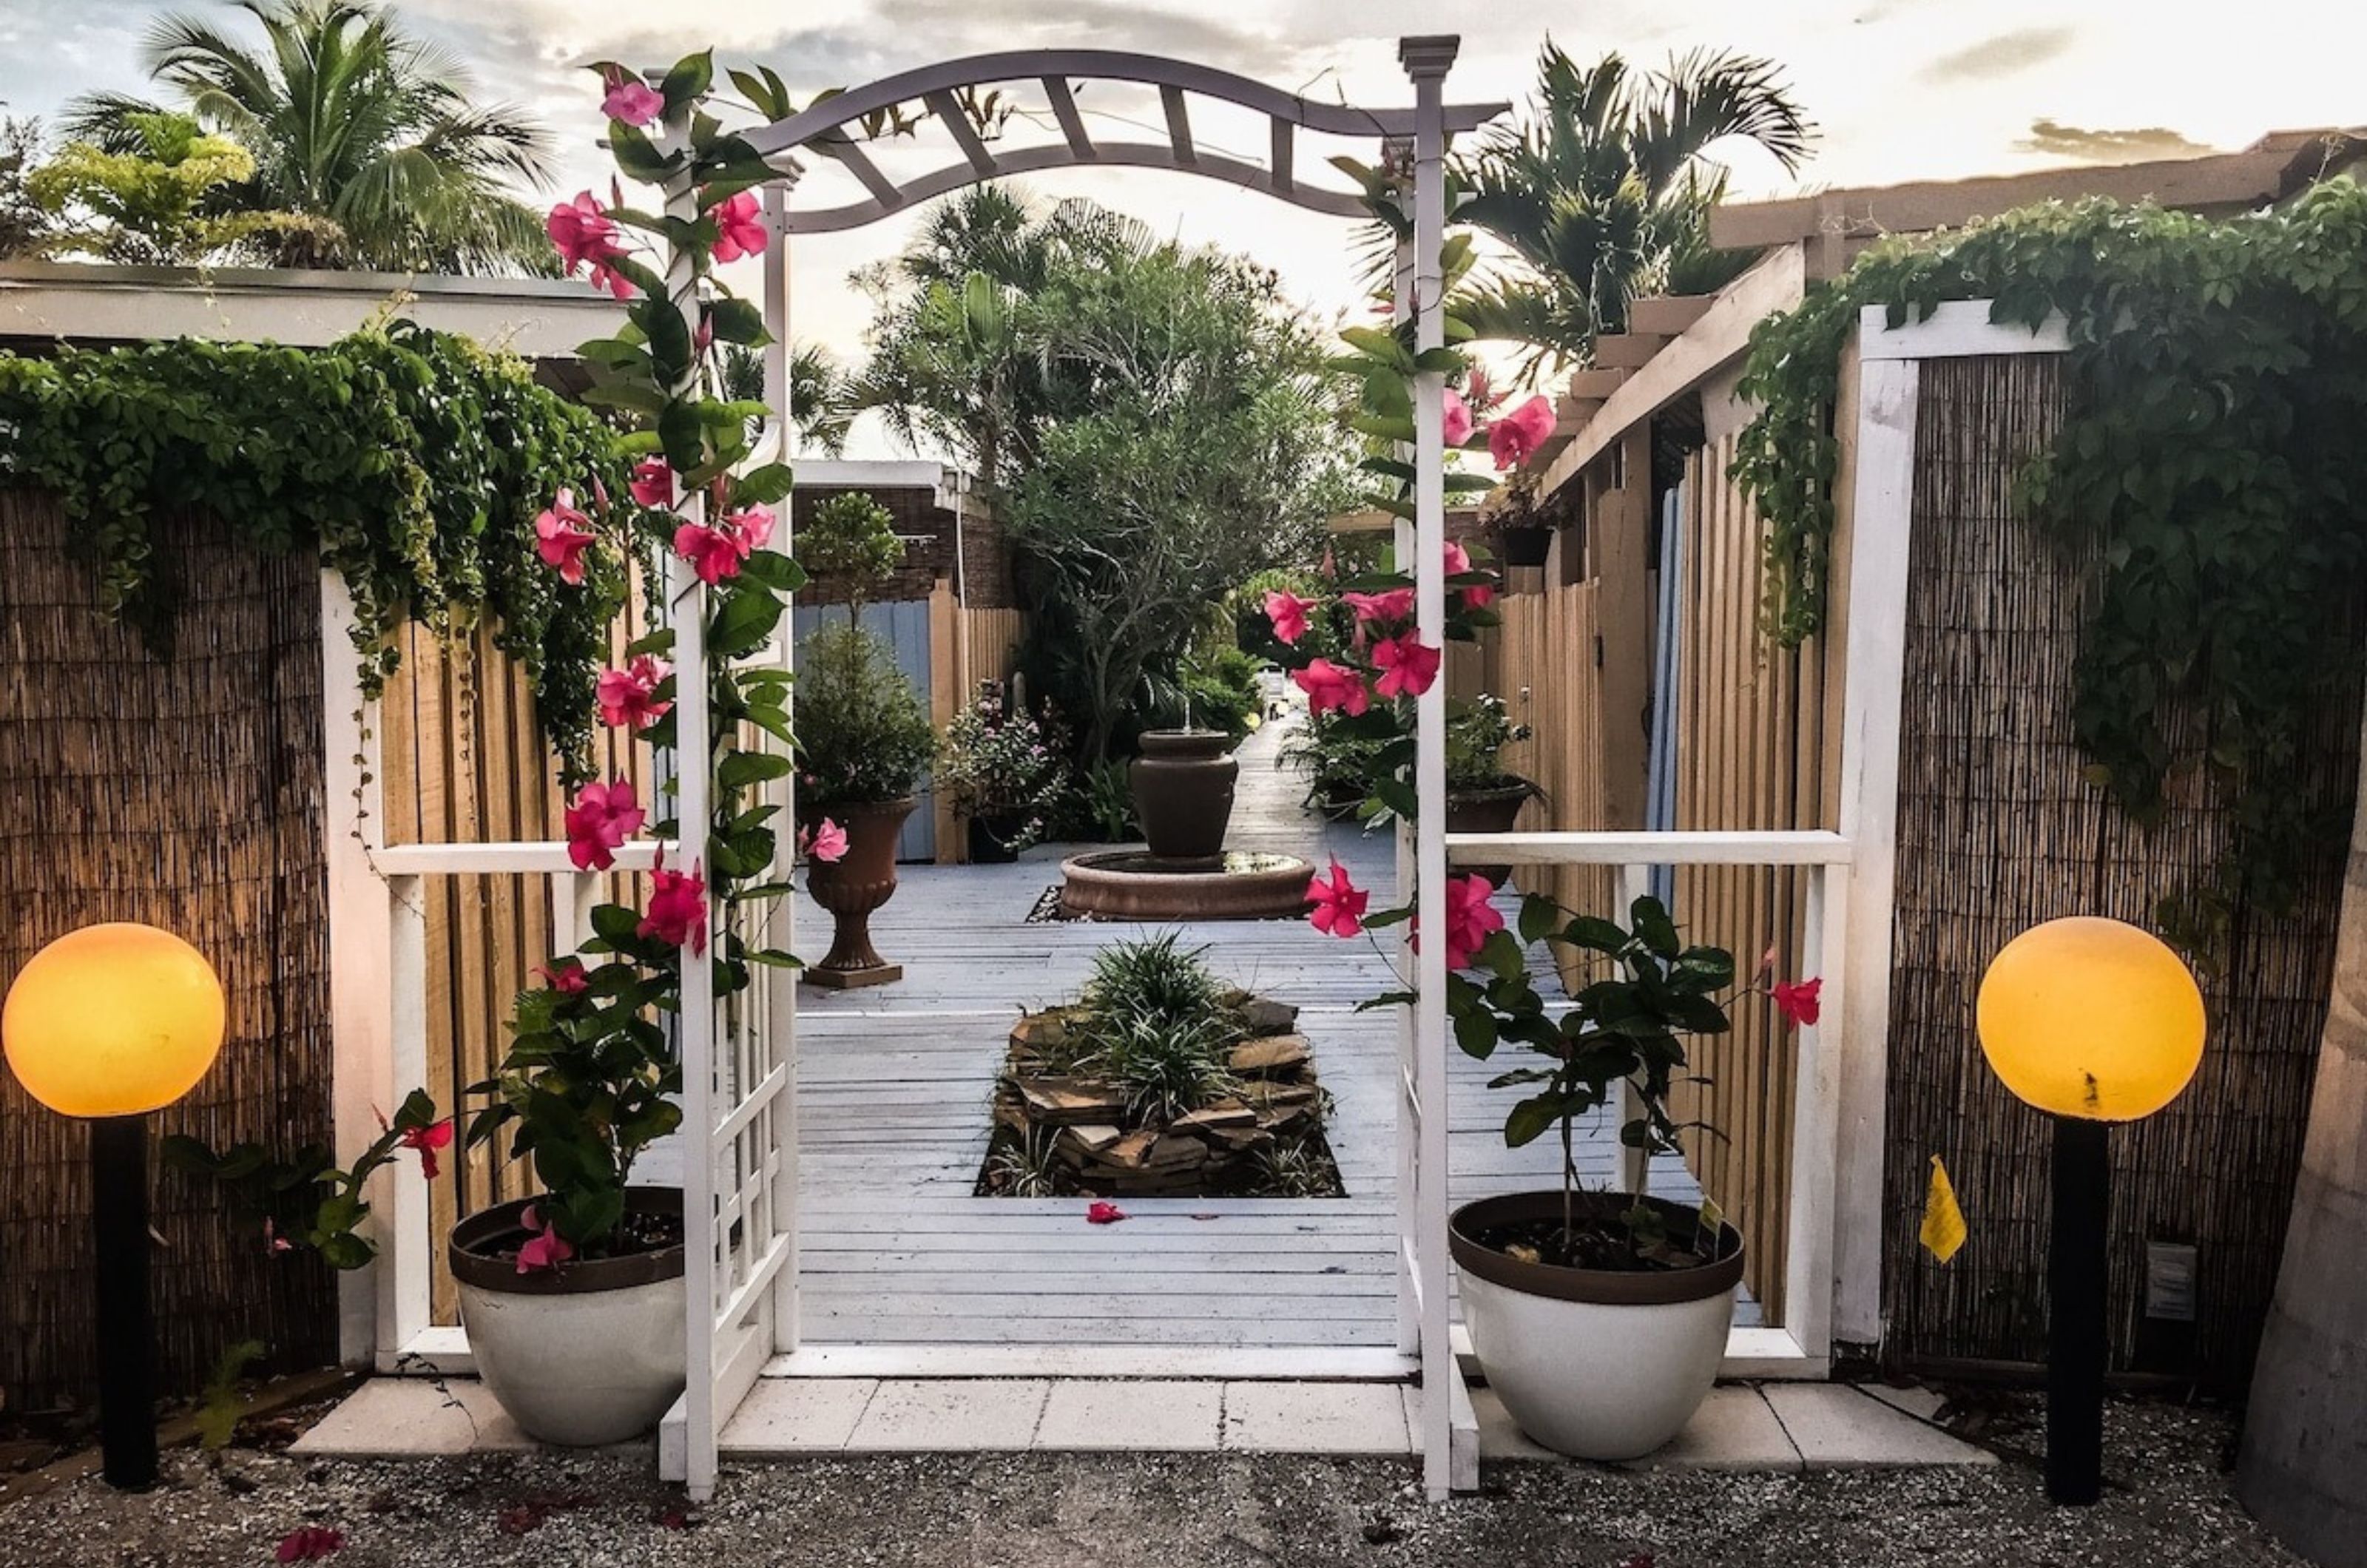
[(1135, 884)]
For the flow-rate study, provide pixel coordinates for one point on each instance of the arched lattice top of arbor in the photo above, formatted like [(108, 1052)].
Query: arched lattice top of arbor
[(823, 127)]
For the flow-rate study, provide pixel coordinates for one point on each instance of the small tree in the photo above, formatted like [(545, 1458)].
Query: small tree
[(852, 539), (156, 201)]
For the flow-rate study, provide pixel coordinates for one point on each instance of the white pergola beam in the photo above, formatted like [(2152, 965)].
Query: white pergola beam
[(1179, 126), (1285, 134), (1073, 124), (948, 108), (858, 163)]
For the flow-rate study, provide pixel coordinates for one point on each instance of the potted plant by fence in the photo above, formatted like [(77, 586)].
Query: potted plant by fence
[(1003, 774), (573, 1298), (1599, 1317), (1482, 796)]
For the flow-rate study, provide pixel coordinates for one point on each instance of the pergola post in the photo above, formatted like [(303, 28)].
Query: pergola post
[(1426, 61)]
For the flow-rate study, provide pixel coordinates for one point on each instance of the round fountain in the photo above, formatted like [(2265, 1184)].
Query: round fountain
[(1183, 798)]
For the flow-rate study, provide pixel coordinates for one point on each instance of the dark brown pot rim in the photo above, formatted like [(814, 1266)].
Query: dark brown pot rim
[(1519, 789), (1606, 1287), (474, 1239), (1188, 745)]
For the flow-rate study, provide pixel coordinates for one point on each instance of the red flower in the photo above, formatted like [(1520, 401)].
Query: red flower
[(629, 696), (1330, 685), (713, 553), (562, 535), (1407, 666), (1457, 421), (546, 1249), (602, 819), (426, 1141), (678, 907), (309, 1543), (630, 99), (1515, 438), (565, 975), (585, 235), (1479, 595), (740, 227), (1288, 611), (1382, 609), (1101, 1213), (653, 483), (1471, 919), (1797, 1001), (1339, 903)]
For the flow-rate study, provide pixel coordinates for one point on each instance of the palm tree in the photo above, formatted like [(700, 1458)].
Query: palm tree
[(2305, 1436), (1603, 192), (357, 123), (818, 414)]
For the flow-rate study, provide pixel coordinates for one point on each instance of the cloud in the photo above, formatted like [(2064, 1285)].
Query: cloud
[(2055, 140), (2002, 56)]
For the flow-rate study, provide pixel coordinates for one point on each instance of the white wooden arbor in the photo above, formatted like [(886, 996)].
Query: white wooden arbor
[(740, 1155)]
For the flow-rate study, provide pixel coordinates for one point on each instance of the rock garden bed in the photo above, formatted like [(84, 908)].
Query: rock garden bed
[(1159, 1081)]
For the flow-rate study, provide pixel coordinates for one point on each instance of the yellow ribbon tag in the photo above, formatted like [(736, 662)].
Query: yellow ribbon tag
[(1944, 1222)]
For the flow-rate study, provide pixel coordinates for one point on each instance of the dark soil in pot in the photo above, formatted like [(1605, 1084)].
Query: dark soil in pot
[(1520, 1241), (648, 1247)]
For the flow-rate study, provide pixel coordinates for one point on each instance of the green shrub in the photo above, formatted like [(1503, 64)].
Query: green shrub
[(862, 735), (1477, 733)]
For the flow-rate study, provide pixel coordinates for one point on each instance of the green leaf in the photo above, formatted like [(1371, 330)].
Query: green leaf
[(743, 768), (1532, 1119), (740, 627), (738, 320), (1540, 916), (689, 79), (1595, 933)]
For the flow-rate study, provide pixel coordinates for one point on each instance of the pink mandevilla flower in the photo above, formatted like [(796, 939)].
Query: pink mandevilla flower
[(426, 1141), (1382, 608), (565, 975), (1103, 1213), (826, 843), (602, 819), (1514, 439), (740, 228), (1288, 612), (752, 526), (1457, 421), (653, 483), (587, 235), (309, 1543), (1797, 1001), (562, 535), (546, 1248), (1479, 595), (1330, 685), (715, 554), (632, 100), (629, 696), (676, 913), (1470, 920), (1407, 666), (1339, 903)]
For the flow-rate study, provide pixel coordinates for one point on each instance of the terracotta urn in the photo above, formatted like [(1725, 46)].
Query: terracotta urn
[(1183, 792), (854, 885)]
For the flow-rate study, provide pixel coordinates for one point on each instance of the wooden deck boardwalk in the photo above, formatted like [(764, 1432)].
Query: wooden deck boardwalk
[(894, 1085)]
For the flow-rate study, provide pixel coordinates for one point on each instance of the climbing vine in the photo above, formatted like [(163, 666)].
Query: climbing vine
[(415, 461), (2210, 458)]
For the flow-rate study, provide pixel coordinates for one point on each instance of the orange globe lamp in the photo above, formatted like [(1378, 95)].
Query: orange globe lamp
[(2092, 1021), (109, 1023)]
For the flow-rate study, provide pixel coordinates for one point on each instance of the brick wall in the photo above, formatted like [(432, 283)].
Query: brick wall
[(928, 531)]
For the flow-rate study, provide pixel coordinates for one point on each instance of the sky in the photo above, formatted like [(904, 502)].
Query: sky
[(1899, 89)]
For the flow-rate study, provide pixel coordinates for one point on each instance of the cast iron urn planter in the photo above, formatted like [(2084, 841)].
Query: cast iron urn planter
[(854, 885)]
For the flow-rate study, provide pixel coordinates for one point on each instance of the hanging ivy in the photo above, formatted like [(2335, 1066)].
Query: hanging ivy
[(415, 461), (2211, 457)]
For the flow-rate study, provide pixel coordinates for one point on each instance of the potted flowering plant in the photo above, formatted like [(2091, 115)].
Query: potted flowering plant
[(574, 1299), (1003, 774), (1599, 1317)]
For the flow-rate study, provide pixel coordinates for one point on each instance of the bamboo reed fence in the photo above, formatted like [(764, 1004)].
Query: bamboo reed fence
[(186, 794), (1998, 830)]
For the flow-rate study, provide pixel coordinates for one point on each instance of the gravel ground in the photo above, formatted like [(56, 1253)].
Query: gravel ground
[(2167, 1504)]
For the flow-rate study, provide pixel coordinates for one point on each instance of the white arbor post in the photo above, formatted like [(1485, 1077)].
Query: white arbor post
[(1426, 61)]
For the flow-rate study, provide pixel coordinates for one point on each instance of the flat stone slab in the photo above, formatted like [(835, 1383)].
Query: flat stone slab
[(1140, 1416), (1318, 1419), (413, 1417), (1837, 1427), (985, 1415), (796, 1416), (1733, 1430)]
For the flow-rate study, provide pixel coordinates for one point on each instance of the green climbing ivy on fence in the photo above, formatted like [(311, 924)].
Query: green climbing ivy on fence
[(416, 461), (2213, 445)]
